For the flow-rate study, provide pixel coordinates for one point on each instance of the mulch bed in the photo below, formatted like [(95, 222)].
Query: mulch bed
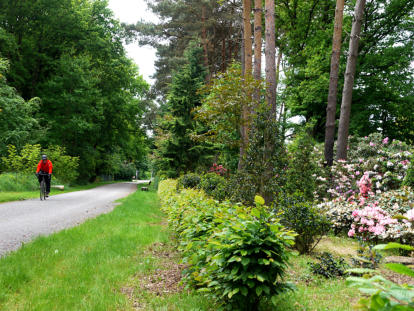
[(160, 282)]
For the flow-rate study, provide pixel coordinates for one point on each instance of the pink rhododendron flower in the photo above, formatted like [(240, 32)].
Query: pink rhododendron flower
[(410, 215), (385, 140)]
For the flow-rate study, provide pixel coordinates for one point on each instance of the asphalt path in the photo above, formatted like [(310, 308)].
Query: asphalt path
[(22, 221)]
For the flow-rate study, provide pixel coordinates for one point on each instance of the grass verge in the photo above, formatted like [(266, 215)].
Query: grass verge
[(125, 261), (9, 196), (84, 268)]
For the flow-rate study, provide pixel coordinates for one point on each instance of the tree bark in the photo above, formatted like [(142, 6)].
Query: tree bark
[(279, 59), (257, 70), (270, 55), (247, 70), (223, 54), (247, 30), (204, 36), (333, 83), (257, 39), (343, 130)]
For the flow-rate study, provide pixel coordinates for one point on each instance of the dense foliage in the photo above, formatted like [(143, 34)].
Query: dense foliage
[(89, 96), (329, 266), (384, 294), (236, 254), (25, 161), (302, 217), (176, 152), (216, 23)]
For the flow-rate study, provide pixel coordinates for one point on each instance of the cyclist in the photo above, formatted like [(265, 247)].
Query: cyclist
[(45, 167)]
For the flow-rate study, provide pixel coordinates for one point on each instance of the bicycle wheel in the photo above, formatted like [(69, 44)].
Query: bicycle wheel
[(42, 190)]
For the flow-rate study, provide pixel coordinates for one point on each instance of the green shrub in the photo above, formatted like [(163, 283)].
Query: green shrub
[(236, 254), (189, 180), (65, 167), (214, 185), (302, 217), (329, 266), (409, 178), (385, 294), (302, 166), (248, 260), (19, 182), (25, 161)]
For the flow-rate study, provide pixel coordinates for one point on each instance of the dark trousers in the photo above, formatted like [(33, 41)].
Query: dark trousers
[(47, 180)]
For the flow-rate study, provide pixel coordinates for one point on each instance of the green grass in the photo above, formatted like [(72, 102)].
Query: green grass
[(8, 196), (83, 268), (88, 268)]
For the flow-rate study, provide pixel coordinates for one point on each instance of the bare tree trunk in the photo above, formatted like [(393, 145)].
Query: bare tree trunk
[(204, 36), (279, 59), (247, 70), (257, 39), (247, 30), (270, 55), (333, 83), (223, 54), (343, 130)]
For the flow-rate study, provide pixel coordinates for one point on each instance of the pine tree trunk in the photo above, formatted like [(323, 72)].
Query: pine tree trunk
[(247, 70), (247, 30), (257, 39), (204, 36), (270, 55), (279, 60), (223, 54), (343, 130), (333, 83)]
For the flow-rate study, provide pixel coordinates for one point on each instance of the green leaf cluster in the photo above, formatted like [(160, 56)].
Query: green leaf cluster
[(215, 186), (236, 254), (385, 295), (304, 218), (176, 152), (409, 177), (25, 161), (70, 55)]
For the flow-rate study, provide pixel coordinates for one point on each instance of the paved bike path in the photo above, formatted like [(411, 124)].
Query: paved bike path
[(22, 221)]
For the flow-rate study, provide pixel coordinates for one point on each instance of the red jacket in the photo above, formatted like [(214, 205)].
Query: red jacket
[(45, 167)]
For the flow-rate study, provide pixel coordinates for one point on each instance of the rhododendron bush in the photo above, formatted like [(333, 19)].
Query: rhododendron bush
[(370, 216), (385, 162)]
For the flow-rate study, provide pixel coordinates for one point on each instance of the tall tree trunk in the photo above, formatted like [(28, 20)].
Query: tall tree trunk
[(247, 70), (247, 31), (333, 83), (279, 59), (270, 55), (343, 130), (223, 54), (257, 39), (257, 71), (204, 36)]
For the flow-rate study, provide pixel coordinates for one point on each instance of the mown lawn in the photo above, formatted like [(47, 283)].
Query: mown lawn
[(9, 196), (84, 268), (106, 264)]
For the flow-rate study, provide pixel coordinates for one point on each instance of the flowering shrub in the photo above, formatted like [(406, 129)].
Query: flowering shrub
[(218, 169), (372, 221), (386, 164), (341, 213)]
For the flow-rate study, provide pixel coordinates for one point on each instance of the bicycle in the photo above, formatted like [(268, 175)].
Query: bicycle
[(42, 186)]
